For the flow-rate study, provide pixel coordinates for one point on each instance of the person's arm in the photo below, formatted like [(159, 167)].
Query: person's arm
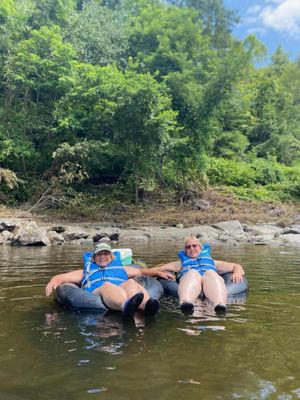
[(164, 271), (157, 273), (68, 277), (236, 269), (132, 272)]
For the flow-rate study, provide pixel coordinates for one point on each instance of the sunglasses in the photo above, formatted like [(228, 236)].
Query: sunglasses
[(191, 246)]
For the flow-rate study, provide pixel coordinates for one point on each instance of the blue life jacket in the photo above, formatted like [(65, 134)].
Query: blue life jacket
[(94, 276), (201, 263)]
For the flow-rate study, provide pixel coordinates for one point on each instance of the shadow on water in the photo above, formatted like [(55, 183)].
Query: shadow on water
[(250, 353)]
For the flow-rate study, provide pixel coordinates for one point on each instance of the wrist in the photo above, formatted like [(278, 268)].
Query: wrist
[(145, 272), (238, 268)]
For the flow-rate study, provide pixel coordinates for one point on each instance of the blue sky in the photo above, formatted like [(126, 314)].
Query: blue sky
[(274, 23)]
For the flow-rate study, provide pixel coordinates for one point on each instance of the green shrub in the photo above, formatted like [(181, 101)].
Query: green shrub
[(259, 193), (260, 179), (267, 171), (229, 172)]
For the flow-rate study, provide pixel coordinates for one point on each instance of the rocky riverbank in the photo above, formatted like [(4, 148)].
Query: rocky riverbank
[(24, 232)]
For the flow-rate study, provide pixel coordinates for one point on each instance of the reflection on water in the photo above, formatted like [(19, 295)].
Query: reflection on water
[(94, 329), (251, 353)]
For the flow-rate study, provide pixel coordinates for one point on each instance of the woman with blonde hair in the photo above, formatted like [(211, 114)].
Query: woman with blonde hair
[(197, 272)]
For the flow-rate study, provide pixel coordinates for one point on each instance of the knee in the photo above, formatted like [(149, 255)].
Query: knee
[(132, 284), (105, 288), (211, 273), (192, 276)]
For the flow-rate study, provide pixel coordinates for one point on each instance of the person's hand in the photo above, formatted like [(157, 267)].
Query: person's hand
[(166, 275), (52, 284), (237, 274)]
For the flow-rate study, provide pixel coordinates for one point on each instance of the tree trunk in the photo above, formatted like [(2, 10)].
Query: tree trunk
[(136, 190)]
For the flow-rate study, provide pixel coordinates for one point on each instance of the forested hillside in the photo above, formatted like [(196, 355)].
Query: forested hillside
[(137, 97)]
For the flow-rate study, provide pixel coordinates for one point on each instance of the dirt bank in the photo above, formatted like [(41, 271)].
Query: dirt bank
[(216, 209)]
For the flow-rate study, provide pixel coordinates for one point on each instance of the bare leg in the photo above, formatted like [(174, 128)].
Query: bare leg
[(190, 287), (149, 305), (214, 288), (131, 287), (113, 296)]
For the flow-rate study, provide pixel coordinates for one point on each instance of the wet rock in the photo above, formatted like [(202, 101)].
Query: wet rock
[(5, 237), (247, 228), (227, 239), (98, 236), (272, 240), (230, 227), (9, 225), (294, 229), (58, 229), (31, 235), (291, 239), (264, 239), (205, 233), (104, 239), (115, 236), (261, 242), (55, 237), (72, 233), (112, 235), (266, 230), (17, 232), (85, 242)]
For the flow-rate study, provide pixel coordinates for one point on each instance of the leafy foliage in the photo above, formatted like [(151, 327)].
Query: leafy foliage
[(146, 93), (98, 35), (259, 179), (127, 111), (9, 178)]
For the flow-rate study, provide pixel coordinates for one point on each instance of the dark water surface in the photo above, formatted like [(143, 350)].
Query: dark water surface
[(50, 353)]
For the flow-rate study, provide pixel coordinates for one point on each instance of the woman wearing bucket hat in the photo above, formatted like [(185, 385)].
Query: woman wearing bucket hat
[(104, 275)]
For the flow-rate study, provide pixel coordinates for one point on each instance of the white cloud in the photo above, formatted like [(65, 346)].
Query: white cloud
[(284, 17), (281, 15)]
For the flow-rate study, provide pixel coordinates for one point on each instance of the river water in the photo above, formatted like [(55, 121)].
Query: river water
[(253, 352)]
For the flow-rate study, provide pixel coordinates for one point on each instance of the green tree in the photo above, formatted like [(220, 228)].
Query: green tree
[(201, 105), (40, 68), (38, 74), (280, 60), (128, 111), (167, 39), (275, 109), (98, 34), (217, 21), (7, 8), (50, 12)]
